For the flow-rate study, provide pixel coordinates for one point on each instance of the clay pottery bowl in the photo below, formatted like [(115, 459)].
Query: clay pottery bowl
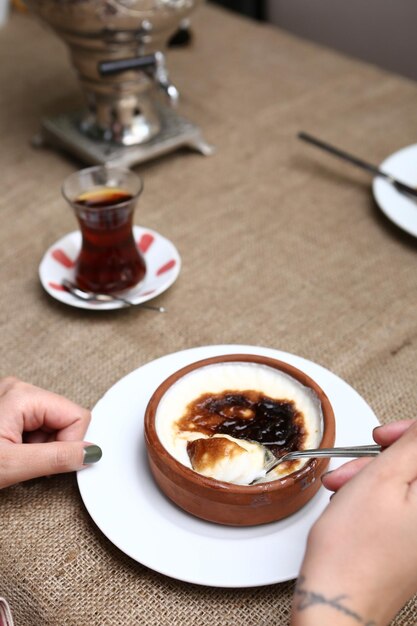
[(226, 503)]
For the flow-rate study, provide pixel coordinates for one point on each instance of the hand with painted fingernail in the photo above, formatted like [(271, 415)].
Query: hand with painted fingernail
[(41, 433)]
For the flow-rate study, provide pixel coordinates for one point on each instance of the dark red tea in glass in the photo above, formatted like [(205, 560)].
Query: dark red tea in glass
[(104, 200)]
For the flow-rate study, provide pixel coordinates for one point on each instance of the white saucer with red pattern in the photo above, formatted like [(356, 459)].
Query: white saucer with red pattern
[(163, 264)]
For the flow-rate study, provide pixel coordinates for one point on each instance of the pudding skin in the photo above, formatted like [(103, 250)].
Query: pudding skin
[(169, 433), (211, 419)]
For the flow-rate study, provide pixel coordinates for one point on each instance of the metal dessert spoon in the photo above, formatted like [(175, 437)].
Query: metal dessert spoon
[(341, 154), (90, 296), (316, 453)]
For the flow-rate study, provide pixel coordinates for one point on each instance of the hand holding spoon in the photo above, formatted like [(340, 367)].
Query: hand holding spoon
[(346, 452)]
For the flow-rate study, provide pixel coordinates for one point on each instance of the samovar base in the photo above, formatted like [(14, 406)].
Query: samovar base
[(63, 133)]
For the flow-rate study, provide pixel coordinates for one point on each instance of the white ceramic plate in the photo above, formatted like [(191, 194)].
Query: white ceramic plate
[(398, 207), (128, 507), (163, 265)]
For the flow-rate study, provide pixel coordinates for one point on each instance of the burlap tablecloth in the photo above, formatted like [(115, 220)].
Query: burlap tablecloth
[(281, 246)]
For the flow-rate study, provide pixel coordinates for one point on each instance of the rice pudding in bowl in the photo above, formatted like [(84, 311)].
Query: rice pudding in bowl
[(203, 430)]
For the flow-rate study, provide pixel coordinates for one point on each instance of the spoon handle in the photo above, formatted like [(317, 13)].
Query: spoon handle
[(341, 154), (90, 296), (355, 451), (142, 305), (346, 452)]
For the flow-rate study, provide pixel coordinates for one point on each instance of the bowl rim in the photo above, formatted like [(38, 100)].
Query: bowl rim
[(158, 451)]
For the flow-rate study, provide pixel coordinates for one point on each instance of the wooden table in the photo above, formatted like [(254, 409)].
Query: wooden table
[(281, 246)]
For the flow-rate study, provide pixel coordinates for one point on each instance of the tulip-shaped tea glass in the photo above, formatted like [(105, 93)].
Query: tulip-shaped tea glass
[(104, 200)]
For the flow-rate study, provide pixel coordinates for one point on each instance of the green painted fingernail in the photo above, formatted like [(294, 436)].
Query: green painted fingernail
[(92, 454)]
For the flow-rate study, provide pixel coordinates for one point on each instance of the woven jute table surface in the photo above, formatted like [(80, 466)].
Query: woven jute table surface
[(282, 246)]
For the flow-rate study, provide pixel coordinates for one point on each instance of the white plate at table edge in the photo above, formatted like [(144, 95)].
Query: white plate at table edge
[(51, 271), (125, 503), (397, 206)]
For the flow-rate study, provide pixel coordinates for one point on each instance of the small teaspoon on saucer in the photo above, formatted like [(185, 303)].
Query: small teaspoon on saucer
[(91, 296), (346, 452)]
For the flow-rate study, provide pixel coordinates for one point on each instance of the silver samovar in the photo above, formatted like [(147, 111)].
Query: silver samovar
[(118, 50)]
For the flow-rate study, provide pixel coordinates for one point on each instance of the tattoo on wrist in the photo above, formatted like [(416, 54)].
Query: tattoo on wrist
[(305, 599)]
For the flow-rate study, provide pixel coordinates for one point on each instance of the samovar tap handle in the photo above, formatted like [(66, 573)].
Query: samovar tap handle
[(115, 66), (162, 78), (152, 63)]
